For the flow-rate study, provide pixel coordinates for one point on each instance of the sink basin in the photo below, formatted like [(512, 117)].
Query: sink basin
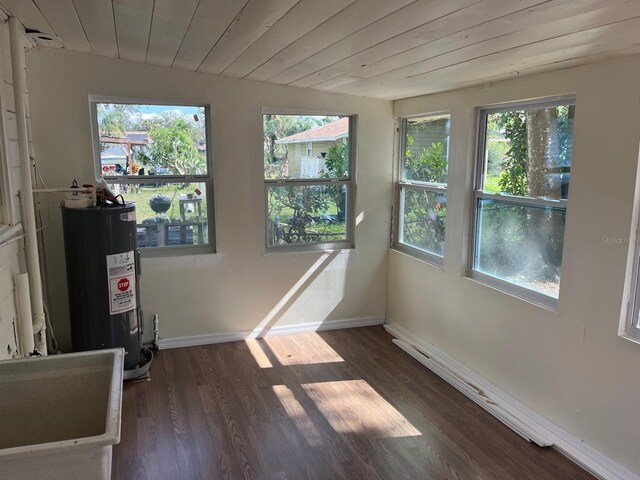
[(60, 415)]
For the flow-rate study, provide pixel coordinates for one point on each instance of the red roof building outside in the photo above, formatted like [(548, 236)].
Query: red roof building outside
[(325, 133)]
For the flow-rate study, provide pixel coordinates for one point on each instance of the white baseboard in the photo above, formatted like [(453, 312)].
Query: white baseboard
[(507, 409), (207, 339)]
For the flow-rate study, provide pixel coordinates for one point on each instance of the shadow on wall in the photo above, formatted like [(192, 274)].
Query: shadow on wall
[(317, 295), (231, 292), (295, 293)]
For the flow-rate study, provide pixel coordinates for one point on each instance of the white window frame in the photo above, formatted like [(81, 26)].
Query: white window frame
[(503, 285), (631, 322), (629, 327), (348, 182), (207, 179), (401, 185)]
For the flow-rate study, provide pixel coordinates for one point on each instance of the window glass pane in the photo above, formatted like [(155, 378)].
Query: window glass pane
[(168, 214), (528, 152), (426, 148), (306, 214), (305, 146), (138, 139), (520, 244), (423, 220)]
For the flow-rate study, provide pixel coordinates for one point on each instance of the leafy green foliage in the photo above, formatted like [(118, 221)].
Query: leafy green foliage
[(524, 244), (172, 146), (423, 224), (305, 214), (336, 161), (430, 165), (115, 119), (514, 176), (425, 212)]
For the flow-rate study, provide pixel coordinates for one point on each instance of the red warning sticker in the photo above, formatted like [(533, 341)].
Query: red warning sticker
[(122, 282)]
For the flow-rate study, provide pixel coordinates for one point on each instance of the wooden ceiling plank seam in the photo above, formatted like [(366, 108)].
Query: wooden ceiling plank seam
[(279, 52), (185, 32), (454, 70), (255, 19), (64, 19), (357, 15), (503, 59), (212, 19), (146, 52), (284, 77), (553, 65), (470, 42), (541, 68), (301, 19), (418, 71), (361, 59), (555, 37), (132, 21), (115, 30), (82, 26), (29, 15), (581, 60), (96, 17), (171, 20), (400, 21), (226, 30)]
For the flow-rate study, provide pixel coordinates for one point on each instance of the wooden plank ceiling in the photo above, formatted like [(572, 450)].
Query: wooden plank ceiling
[(379, 48)]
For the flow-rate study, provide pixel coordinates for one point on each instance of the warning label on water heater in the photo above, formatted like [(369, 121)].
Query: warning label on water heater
[(121, 272)]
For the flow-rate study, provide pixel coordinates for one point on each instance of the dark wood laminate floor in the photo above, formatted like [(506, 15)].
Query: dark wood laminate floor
[(342, 404)]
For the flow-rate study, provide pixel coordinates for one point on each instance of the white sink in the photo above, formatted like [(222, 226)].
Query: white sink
[(60, 415)]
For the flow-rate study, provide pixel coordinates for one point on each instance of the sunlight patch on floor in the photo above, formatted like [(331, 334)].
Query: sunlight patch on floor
[(307, 349), (298, 415), (259, 355), (303, 349), (354, 407)]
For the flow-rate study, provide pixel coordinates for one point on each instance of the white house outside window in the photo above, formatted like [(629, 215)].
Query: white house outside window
[(308, 178), (521, 197)]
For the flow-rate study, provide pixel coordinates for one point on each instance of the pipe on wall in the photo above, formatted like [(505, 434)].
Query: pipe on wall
[(25, 318), (28, 209)]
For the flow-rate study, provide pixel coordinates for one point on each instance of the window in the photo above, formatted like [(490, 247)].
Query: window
[(309, 200), (630, 318), (520, 199), (157, 156), (631, 321), (422, 186)]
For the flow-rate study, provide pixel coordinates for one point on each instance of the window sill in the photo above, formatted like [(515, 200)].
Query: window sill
[(629, 337), (420, 255), (184, 251), (314, 248), (531, 297)]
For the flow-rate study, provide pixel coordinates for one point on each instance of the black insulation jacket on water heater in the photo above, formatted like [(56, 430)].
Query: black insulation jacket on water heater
[(103, 278)]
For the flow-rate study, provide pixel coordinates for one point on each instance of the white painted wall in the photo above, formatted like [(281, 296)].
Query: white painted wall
[(237, 288), (570, 365), (11, 250)]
